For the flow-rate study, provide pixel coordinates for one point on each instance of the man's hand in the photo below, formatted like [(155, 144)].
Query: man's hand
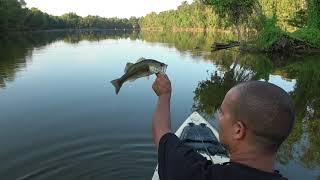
[(162, 85)]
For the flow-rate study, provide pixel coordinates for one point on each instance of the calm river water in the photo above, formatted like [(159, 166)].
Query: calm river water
[(60, 117)]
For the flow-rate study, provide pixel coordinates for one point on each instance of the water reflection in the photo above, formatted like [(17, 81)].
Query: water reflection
[(16, 49), (231, 67), (306, 96)]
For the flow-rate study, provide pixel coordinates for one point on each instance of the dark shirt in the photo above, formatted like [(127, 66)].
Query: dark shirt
[(178, 161)]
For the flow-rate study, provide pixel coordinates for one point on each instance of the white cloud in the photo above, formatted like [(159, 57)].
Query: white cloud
[(105, 8)]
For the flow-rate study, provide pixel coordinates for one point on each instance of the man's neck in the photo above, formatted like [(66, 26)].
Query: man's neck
[(261, 161)]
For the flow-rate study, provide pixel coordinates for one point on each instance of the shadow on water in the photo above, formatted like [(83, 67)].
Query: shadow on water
[(233, 67)]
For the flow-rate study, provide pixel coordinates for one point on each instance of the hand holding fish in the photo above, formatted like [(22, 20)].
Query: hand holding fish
[(162, 85)]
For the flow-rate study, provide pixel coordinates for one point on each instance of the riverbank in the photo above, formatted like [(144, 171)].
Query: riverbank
[(195, 30), (269, 40)]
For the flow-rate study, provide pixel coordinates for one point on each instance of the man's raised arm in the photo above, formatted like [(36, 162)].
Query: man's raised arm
[(161, 123)]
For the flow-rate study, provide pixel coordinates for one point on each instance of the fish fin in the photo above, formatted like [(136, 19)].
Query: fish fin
[(128, 65), (117, 85), (141, 59)]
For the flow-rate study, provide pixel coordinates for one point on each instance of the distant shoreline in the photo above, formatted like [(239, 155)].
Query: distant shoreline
[(156, 29), (64, 30)]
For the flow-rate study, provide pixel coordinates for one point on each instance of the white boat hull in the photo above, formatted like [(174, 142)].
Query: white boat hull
[(197, 119)]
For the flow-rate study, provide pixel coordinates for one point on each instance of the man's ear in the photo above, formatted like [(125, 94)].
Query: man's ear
[(239, 130)]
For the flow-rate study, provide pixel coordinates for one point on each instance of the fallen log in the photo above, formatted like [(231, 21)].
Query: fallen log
[(219, 46)]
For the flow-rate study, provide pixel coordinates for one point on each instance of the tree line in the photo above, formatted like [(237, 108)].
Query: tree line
[(291, 14), (15, 16), (194, 15), (295, 20)]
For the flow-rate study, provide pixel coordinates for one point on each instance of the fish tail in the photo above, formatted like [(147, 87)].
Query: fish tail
[(117, 85)]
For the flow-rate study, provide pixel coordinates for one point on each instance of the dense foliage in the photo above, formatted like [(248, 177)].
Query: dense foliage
[(14, 16), (290, 13), (194, 15), (273, 20), (235, 11)]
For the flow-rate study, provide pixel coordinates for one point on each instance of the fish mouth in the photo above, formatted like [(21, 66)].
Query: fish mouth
[(164, 68)]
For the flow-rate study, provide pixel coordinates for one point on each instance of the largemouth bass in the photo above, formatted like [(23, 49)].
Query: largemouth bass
[(142, 68)]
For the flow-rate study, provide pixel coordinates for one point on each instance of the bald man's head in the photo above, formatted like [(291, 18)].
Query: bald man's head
[(266, 110)]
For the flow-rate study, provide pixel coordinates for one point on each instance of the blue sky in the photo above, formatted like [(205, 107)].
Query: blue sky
[(104, 8)]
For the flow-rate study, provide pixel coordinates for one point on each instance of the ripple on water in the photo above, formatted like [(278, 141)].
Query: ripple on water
[(86, 158)]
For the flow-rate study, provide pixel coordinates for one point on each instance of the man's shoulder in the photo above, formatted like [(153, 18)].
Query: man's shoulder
[(179, 161)]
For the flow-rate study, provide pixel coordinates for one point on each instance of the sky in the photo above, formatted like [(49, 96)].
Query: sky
[(104, 8)]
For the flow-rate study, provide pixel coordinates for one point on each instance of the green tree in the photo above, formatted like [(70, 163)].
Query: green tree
[(235, 11), (72, 20), (34, 19), (313, 14), (134, 22), (11, 14)]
